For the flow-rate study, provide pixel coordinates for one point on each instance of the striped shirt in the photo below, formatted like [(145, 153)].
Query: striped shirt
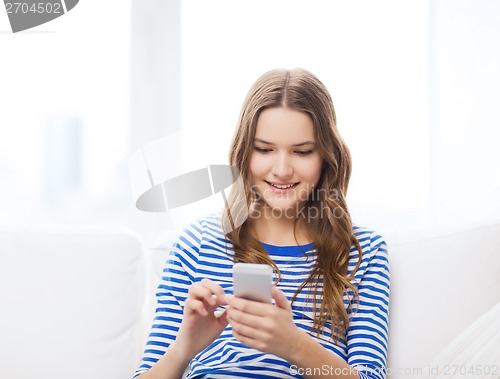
[(206, 253)]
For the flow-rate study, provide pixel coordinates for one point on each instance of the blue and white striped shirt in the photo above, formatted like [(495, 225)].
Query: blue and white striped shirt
[(208, 254)]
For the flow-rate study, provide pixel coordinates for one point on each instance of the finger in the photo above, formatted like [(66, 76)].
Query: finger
[(198, 292), (221, 316), (210, 306), (256, 344), (215, 289), (248, 306), (280, 298), (247, 331), (236, 316), (196, 306)]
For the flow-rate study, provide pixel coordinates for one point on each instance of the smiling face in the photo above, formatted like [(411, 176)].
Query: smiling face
[(285, 163)]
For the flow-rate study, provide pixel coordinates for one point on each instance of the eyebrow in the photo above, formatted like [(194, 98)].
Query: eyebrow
[(295, 145)]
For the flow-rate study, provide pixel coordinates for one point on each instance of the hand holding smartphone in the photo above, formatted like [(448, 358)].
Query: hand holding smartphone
[(253, 281)]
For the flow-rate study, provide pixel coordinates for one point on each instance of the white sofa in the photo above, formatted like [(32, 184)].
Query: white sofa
[(441, 282), (74, 301), (71, 303)]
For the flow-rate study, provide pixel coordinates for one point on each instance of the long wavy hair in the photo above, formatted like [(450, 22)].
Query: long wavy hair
[(331, 230)]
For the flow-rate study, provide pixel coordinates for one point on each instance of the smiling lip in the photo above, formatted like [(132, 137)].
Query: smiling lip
[(281, 187)]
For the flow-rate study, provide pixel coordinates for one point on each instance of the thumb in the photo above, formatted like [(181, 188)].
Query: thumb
[(280, 298), (222, 317)]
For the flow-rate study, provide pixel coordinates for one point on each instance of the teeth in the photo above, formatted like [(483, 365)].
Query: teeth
[(282, 187)]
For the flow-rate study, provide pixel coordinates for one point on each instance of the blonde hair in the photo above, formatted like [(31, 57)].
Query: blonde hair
[(332, 232)]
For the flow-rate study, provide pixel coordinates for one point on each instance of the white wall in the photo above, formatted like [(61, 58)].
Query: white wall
[(466, 175), (415, 85), (373, 57), (64, 117)]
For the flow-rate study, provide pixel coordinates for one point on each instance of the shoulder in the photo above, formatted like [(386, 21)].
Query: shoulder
[(202, 226), (373, 247), (204, 231), (368, 237), (192, 242), (209, 227)]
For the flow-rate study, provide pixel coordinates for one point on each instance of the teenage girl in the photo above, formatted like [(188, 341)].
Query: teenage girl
[(329, 317)]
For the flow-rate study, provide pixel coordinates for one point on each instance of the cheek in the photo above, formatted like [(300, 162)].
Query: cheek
[(257, 165), (311, 171), (318, 169)]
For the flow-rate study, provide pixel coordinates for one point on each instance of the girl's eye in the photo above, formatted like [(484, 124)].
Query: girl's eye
[(298, 152), (262, 150), (303, 152)]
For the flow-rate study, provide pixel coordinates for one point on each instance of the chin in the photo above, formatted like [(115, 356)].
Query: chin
[(290, 209)]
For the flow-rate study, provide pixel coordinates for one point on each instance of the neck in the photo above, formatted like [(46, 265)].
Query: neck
[(278, 231)]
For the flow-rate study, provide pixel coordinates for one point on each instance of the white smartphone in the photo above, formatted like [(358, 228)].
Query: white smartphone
[(253, 281)]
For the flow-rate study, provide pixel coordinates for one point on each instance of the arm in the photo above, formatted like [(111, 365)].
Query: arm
[(170, 296), (309, 354), (367, 335), (198, 329), (170, 366), (271, 328), (184, 322)]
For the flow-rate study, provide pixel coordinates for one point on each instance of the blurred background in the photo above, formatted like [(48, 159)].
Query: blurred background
[(416, 86)]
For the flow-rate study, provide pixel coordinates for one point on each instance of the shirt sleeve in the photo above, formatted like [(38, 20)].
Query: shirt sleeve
[(367, 335), (178, 275)]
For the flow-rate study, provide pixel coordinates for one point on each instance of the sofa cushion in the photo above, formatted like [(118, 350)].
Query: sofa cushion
[(441, 281), (71, 301)]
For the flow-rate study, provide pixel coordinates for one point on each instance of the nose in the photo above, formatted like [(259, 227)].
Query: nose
[(282, 167)]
